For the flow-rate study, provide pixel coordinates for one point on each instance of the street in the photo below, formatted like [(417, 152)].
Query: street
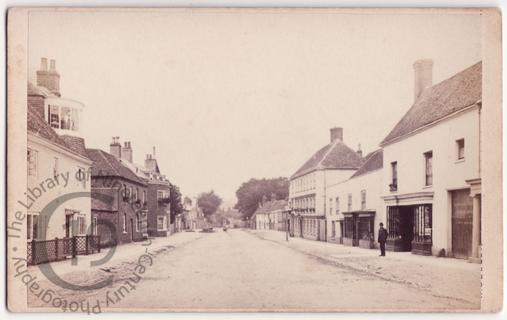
[(242, 270)]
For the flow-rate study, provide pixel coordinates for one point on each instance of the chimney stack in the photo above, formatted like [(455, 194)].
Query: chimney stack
[(127, 152), (115, 147), (423, 76), (50, 79), (336, 133), (359, 151)]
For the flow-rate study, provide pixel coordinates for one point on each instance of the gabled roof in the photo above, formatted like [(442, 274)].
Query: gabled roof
[(447, 97), (373, 161), (335, 155), (105, 164), (271, 206)]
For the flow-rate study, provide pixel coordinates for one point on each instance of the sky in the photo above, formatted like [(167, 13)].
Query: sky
[(225, 97)]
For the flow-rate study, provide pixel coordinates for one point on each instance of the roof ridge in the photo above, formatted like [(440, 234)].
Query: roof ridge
[(109, 162), (331, 146)]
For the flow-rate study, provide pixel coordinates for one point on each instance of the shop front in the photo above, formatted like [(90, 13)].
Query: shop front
[(358, 229), (409, 228)]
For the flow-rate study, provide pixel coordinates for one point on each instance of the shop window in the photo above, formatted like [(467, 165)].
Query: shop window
[(348, 225), (423, 223), (333, 229), (428, 165)]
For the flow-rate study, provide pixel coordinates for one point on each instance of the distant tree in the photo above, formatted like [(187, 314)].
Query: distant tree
[(175, 201), (187, 203), (209, 203), (251, 193)]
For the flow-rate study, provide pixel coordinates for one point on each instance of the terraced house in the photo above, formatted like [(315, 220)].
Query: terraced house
[(308, 192)]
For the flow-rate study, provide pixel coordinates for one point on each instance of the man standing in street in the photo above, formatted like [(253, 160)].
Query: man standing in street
[(382, 238)]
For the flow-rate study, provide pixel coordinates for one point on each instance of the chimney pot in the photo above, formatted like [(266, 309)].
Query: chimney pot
[(423, 76), (336, 133), (359, 151)]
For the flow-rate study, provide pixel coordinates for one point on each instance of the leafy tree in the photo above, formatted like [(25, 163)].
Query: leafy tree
[(175, 201), (251, 193), (209, 203), (187, 201)]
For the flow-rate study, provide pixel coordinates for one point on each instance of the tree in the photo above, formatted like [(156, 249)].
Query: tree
[(209, 203), (251, 193), (175, 201), (187, 202)]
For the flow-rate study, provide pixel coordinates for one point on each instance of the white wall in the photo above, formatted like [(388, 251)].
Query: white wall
[(370, 182), (316, 183), (448, 173), (68, 163)]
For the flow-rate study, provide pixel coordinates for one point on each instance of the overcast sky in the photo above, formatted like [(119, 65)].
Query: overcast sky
[(226, 97)]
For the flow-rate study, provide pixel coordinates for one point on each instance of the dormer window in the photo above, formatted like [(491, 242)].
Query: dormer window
[(61, 117)]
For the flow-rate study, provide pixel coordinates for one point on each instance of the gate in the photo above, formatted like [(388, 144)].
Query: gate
[(461, 223)]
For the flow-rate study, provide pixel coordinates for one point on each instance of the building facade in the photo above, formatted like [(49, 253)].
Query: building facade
[(355, 205), (271, 215), (308, 192), (431, 189), (57, 164), (119, 200)]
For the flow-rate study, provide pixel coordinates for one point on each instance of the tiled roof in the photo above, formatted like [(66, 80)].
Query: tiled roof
[(271, 206), (458, 92), (335, 155), (374, 161), (104, 199), (105, 164), (75, 143), (39, 127)]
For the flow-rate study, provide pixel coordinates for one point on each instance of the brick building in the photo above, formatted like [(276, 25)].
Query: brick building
[(119, 199)]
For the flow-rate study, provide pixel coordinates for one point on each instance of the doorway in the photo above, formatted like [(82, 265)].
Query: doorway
[(462, 222)]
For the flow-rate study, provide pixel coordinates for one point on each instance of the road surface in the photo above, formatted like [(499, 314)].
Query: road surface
[(237, 270)]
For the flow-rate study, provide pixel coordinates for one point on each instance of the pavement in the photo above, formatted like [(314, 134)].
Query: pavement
[(252, 270)]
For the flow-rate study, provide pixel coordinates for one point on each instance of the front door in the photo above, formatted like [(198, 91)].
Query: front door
[(461, 223)]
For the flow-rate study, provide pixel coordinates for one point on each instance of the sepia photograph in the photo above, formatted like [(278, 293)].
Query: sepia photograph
[(254, 160)]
